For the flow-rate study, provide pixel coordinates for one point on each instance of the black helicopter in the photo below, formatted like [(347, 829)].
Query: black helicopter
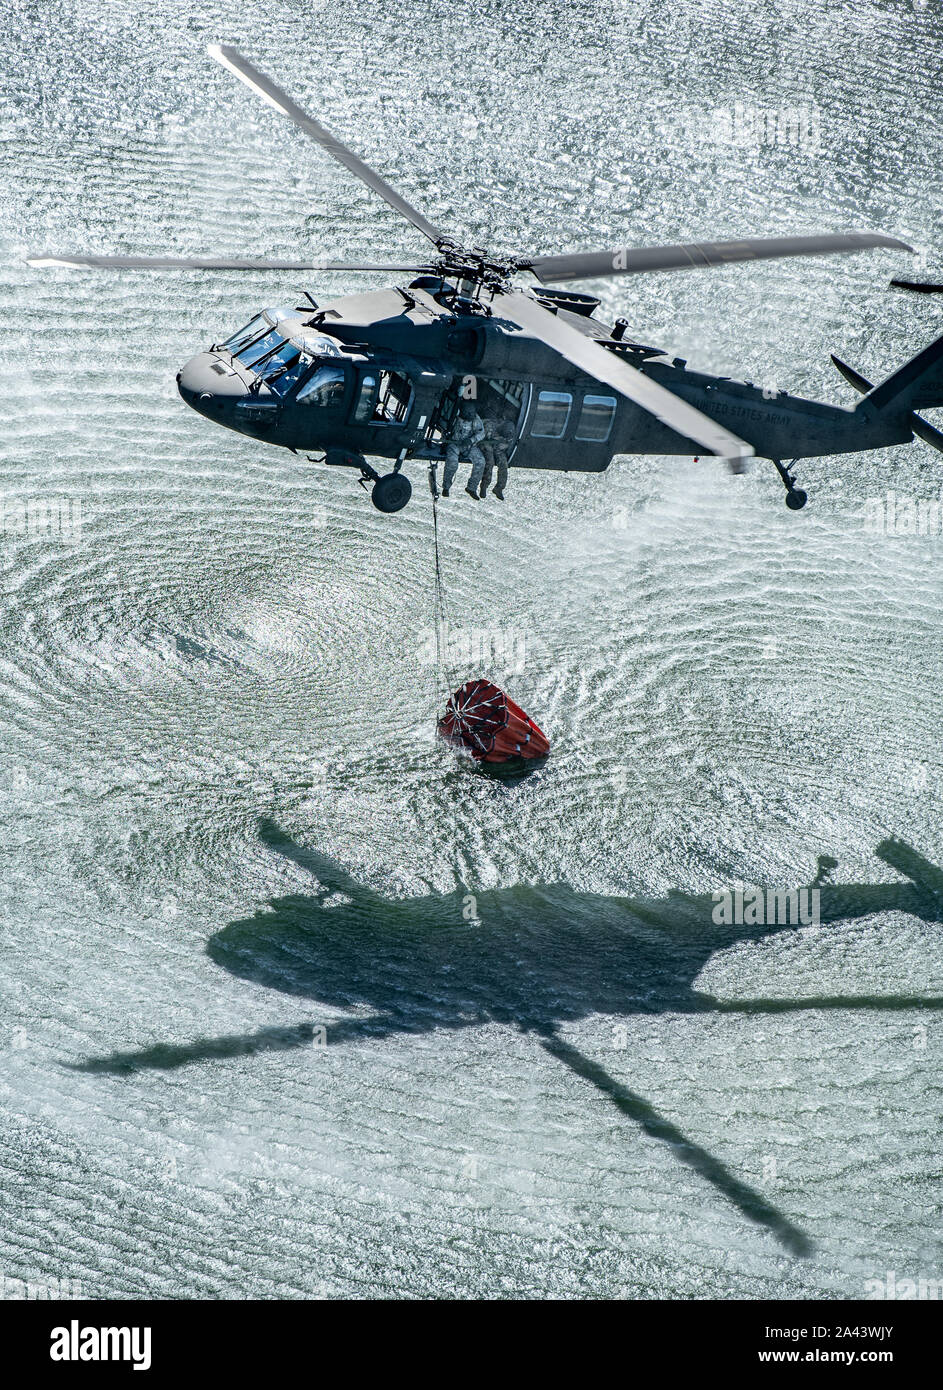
[(382, 374)]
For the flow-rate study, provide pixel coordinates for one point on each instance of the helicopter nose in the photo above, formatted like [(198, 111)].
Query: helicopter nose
[(210, 385)]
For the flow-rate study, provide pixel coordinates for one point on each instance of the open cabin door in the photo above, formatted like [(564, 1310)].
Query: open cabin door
[(492, 398)]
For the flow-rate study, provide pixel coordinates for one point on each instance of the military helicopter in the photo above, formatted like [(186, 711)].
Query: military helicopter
[(381, 375)]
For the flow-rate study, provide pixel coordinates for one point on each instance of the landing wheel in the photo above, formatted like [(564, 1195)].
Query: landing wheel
[(391, 492), (795, 497)]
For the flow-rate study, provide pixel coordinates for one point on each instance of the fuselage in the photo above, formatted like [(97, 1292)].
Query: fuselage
[(380, 374)]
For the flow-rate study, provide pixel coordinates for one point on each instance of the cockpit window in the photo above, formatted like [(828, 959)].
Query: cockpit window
[(325, 387), (245, 335), (282, 361), (283, 368), (262, 323), (320, 345), (255, 351), (277, 359)]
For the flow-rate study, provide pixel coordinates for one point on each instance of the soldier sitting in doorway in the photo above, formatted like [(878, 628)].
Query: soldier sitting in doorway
[(466, 434), (499, 437)]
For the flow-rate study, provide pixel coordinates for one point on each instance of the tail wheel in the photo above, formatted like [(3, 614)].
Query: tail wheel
[(391, 492)]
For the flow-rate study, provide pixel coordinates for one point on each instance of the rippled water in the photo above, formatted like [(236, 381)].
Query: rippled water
[(225, 823)]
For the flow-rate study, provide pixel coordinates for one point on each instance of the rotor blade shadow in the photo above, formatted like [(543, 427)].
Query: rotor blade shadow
[(751, 1203), (885, 1002), (170, 1056), (909, 862), (328, 872)]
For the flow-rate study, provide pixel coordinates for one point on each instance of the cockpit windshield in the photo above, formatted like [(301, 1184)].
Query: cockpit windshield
[(282, 369), (281, 362), (260, 347), (245, 335), (259, 327), (324, 388)]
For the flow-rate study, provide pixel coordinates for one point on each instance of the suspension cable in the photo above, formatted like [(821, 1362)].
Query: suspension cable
[(440, 606)]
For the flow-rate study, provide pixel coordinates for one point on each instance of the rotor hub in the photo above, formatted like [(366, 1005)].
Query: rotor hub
[(475, 271)]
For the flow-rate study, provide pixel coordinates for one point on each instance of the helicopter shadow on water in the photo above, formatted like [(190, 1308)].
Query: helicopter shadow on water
[(532, 957)]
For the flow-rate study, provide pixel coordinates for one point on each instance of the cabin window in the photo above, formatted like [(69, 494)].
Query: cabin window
[(595, 423), (499, 397), (551, 415), (324, 388), (366, 395), (384, 398), (395, 397)]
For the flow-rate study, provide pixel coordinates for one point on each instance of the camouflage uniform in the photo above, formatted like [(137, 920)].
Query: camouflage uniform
[(499, 436), (463, 442)]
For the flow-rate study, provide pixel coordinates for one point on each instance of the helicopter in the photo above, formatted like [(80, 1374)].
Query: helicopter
[(383, 374)]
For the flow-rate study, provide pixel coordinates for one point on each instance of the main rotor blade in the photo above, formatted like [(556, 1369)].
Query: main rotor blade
[(264, 87), (629, 261), (921, 286), (606, 367), (60, 258)]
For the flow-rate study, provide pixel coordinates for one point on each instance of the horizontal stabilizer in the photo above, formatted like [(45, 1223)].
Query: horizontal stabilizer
[(859, 382), (917, 385), (927, 433), (921, 428)]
